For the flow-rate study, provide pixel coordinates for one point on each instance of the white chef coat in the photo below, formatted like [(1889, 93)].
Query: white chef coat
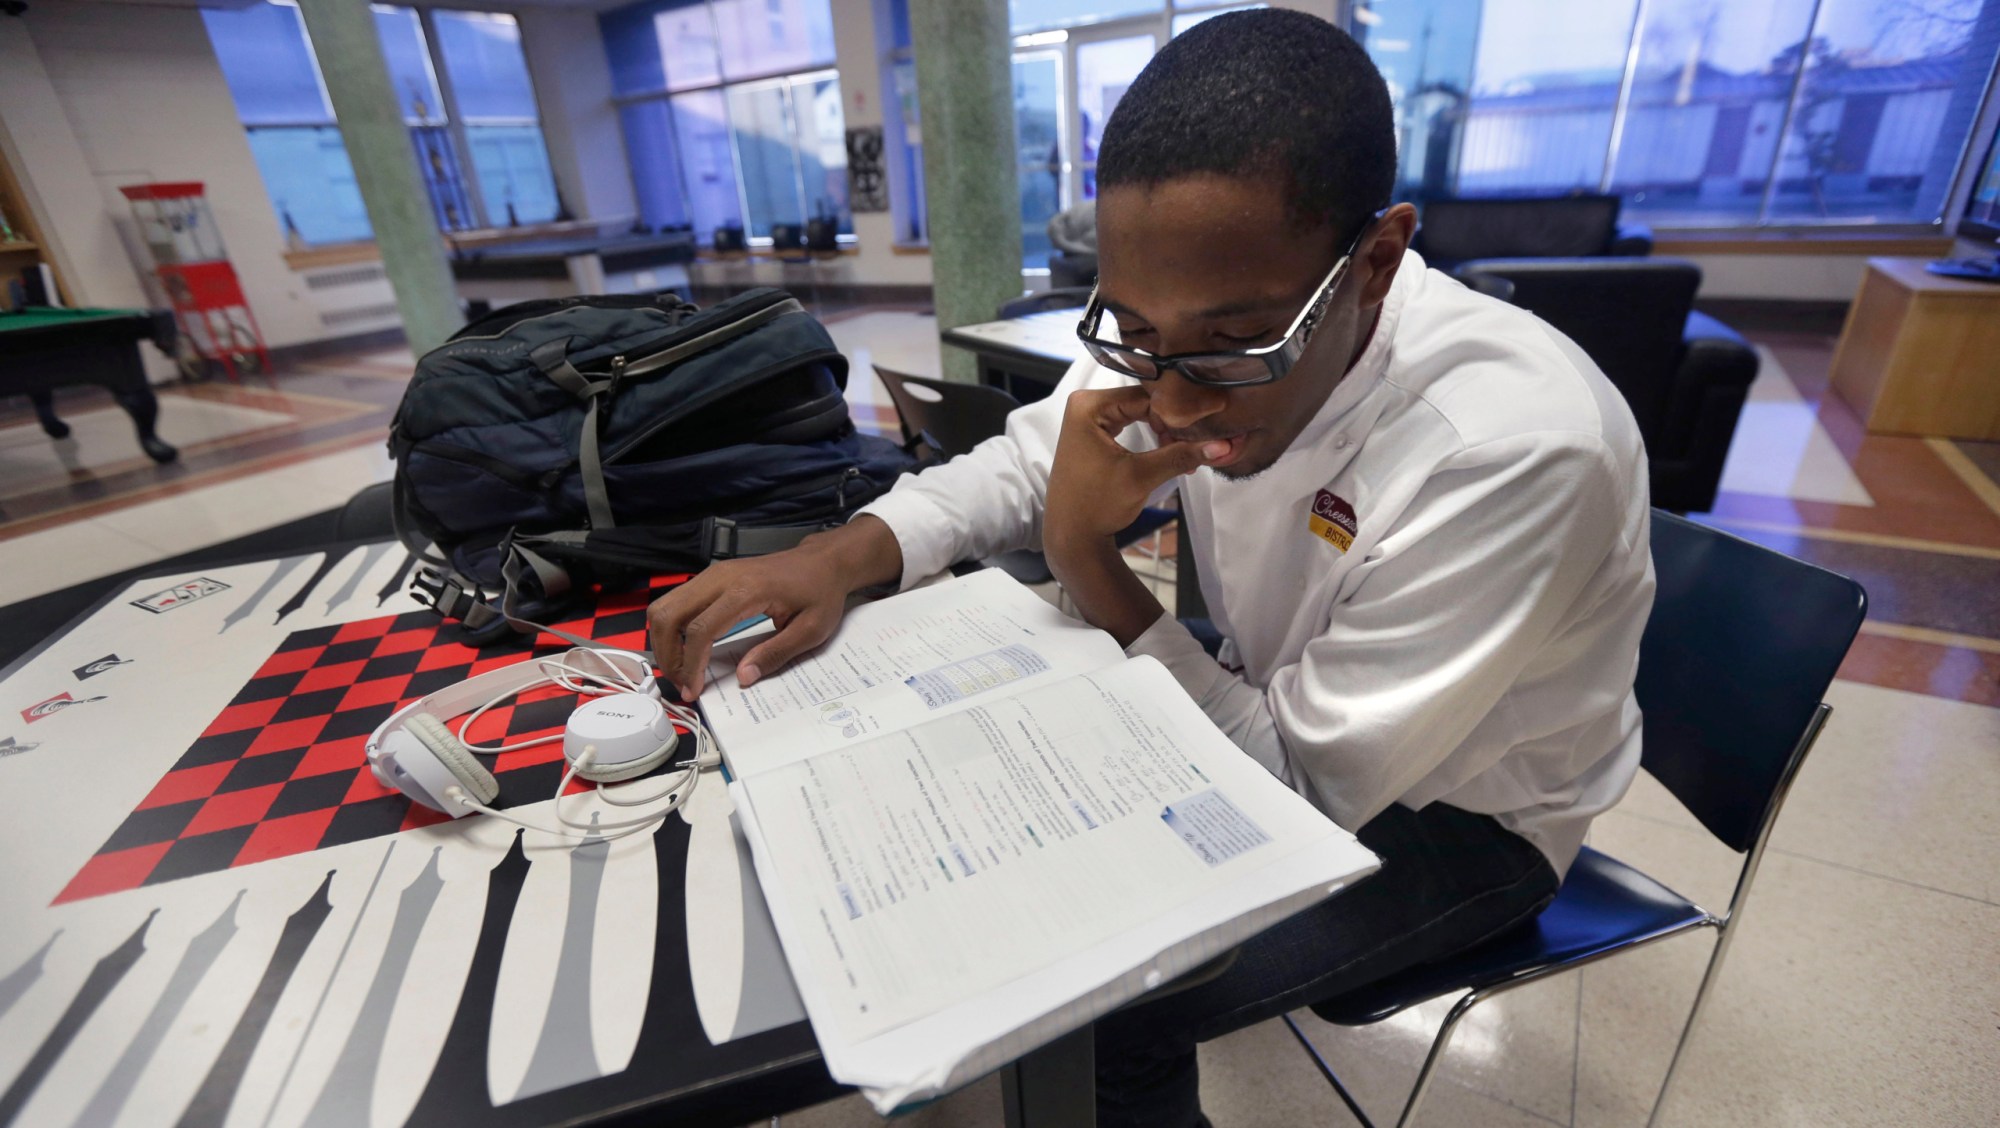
[(1474, 644)]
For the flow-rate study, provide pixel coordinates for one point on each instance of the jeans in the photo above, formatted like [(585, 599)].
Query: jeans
[(1449, 879)]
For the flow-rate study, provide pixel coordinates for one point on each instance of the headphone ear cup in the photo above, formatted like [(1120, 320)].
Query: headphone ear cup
[(438, 737)]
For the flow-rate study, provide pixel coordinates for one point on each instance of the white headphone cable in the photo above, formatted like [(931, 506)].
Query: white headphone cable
[(558, 671)]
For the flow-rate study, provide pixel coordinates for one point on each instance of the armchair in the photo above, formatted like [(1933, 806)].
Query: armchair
[(1454, 230), (1685, 374)]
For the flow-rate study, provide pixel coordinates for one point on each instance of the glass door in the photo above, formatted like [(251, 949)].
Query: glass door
[(1042, 164), (1105, 61)]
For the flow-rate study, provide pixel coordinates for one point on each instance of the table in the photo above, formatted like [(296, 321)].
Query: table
[(1920, 354), (42, 349), (620, 263), (1024, 356), (215, 914), (214, 911)]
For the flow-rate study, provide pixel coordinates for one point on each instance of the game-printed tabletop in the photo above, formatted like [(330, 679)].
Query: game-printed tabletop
[(216, 915)]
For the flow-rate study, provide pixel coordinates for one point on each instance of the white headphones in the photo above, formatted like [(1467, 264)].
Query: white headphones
[(628, 731)]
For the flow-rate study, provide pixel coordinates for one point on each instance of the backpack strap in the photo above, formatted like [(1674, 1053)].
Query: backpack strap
[(552, 359)]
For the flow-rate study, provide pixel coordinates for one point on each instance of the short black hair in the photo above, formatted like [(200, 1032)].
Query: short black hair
[(1271, 92)]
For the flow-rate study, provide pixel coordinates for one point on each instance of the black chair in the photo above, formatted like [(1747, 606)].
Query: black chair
[(1072, 268), (952, 418), (1457, 229), (1737, 655), (368, 515), (1042, 301), (1684, 374)]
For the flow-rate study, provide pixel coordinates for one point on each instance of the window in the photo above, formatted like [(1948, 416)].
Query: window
[(496, 103), (1038, 84), (1183, 22), (275, 83), (1072, 63), (902, 133), (1038, 15), (732, 117), (267, 61), (1697, 112)]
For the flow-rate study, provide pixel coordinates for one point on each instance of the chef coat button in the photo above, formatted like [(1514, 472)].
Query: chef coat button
[(1340, 442)]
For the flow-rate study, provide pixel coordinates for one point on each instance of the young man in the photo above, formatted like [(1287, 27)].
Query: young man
[(1419, 515)]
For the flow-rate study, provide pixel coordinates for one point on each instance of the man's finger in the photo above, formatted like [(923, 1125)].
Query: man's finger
[(669, 615), (806, 630), (730, 607), (1114, 409), (1158, 467)]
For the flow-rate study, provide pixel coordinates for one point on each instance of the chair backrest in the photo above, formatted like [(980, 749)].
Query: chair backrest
[(1739, 651), (1453, 230), (1041, 301), (1629, 314), (957, 417)]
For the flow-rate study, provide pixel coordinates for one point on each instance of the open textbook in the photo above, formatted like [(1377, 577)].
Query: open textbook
[(979, 826)]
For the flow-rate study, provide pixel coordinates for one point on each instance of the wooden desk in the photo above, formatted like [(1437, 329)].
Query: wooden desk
[(1920, 354)]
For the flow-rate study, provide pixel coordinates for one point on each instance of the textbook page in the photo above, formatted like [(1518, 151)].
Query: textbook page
[(898, 662), (952, 894)]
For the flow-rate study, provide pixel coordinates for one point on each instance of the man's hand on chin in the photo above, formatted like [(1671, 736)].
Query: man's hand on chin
[(1096, 488)]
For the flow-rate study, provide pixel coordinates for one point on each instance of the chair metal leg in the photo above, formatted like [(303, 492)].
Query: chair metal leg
[(1326, 1071), (1738, 900), (1424, 1075)]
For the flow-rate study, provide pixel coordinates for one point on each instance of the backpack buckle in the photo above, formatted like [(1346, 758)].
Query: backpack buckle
[(721, 538), (442, 592)]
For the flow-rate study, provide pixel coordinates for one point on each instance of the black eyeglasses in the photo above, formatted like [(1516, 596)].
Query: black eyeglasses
[(1232, 368)]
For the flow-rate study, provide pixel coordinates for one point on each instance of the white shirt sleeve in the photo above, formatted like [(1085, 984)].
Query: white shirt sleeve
[(989, 500), (1486, 565)]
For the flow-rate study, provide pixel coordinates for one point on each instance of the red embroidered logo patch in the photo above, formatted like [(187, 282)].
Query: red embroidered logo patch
[(1332, 520)]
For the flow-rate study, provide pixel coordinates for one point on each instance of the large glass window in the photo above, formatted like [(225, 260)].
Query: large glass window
[(1538, 122), (1425, 50), (275, 83), (1105, 69), (1038, 80), (1072, 63), (496, 103), (729, 108), (267, 60), (1697, 112), (1701, 121), (759, 37), (1039, 15)]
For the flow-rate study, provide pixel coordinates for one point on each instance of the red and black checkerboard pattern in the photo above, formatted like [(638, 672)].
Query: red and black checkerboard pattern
[(282, 770)]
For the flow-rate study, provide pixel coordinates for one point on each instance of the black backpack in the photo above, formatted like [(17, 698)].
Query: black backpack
[(559, 443)]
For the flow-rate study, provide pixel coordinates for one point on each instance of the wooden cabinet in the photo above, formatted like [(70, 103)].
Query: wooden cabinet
[(1920, 354), (23, 248)]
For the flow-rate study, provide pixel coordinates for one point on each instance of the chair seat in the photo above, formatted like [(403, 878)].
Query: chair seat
[(1603, 905), (1149, 521)]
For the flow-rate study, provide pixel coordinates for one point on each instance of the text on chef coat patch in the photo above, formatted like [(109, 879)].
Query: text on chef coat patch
[(1332, 520)]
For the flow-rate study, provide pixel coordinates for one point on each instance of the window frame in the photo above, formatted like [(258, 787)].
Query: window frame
[(784, 78), (1769, 221), (445, 117)]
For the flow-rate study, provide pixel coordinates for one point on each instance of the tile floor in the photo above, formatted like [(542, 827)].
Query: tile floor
[(1864, 987)]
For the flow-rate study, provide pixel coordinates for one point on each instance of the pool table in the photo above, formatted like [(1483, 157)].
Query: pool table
[(42, 349)]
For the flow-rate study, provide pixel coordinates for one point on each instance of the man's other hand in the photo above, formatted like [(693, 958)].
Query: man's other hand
[(1096, 486)]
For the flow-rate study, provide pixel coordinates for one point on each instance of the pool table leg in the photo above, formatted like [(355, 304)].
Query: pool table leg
[(144, 408), (45, 411), (129, 387)]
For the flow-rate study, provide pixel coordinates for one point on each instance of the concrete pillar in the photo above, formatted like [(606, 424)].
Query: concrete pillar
[(385, 167), (965, 97)]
